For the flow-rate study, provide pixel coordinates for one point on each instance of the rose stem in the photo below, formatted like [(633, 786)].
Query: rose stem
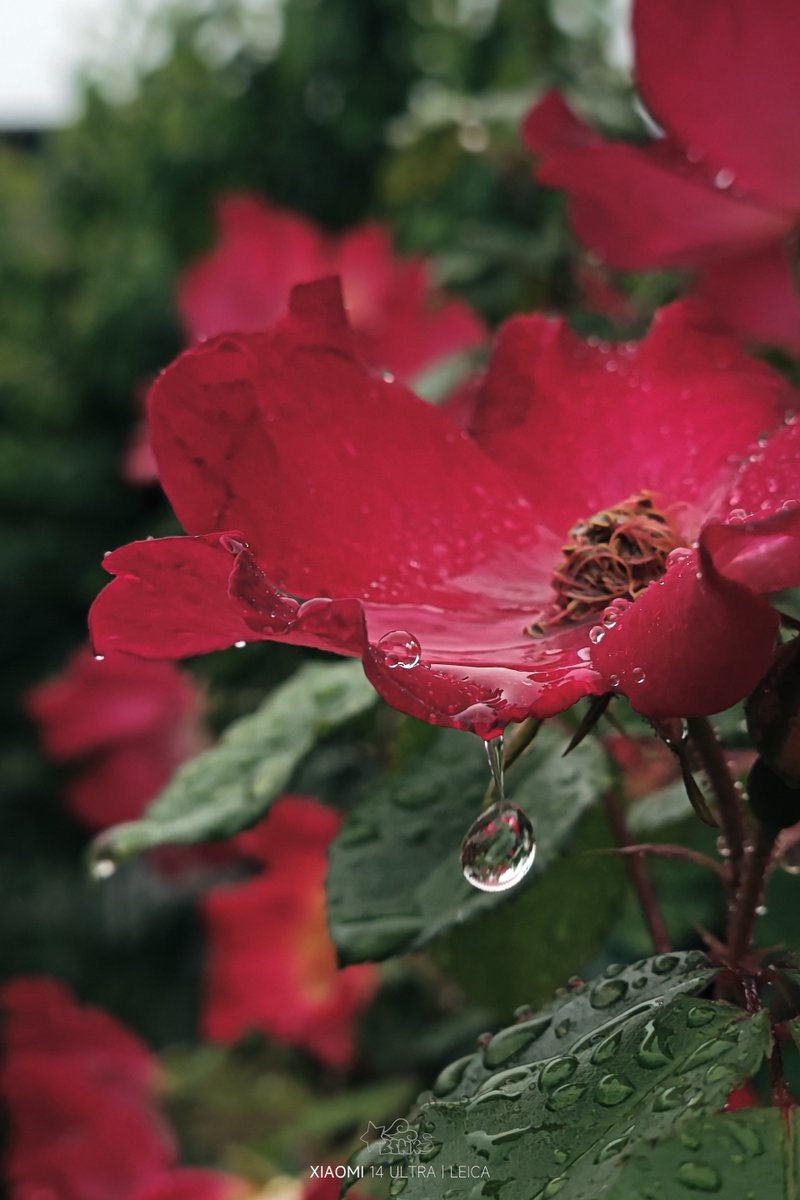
[(712, 758), (667, 850), (743, 915), (637, 874)]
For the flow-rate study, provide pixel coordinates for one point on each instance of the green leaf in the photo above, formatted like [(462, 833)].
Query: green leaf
[(395, 879), (558, 1098), (745, 1155), (230, 786)]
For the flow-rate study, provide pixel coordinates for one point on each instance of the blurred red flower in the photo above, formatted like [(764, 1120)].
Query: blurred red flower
[(271, 964), (80, 1094), (719, 193), (402, 324), (480, 580), (79, 1091), (125, 723)]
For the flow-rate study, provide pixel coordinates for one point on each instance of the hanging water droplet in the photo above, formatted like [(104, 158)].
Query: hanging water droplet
[(596, 634), (499, 848), (399, 648), (789, 861), (610, 618), (239, 645), (103, 859), (761, 910)]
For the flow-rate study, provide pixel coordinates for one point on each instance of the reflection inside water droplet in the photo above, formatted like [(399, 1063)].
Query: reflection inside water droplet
[(499, 848), (399, 648), (500, 845)]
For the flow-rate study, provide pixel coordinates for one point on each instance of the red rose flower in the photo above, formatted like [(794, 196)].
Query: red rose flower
[(243, 285), (125, 723), (79, 1092), (481, 581), (271, 963), (720, 192)]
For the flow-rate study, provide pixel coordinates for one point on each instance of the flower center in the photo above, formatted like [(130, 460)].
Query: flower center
[(611, 556)]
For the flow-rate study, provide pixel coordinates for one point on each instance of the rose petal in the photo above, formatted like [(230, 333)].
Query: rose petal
[(648, 206), (722, 75), (755, 295), (243, 284), (770, 474), (581, 427), (764, 554), (692, 644), (169, 600), (93, 705), (258, 434)]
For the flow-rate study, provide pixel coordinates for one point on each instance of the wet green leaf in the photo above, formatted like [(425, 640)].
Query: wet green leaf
[(554, 1103), (395, 879), (747, 1155), (231, 785)]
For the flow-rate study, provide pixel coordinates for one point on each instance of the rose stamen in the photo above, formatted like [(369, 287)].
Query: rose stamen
[(613, 555)]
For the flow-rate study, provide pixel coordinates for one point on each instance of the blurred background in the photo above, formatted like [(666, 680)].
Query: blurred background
[(120, 125)]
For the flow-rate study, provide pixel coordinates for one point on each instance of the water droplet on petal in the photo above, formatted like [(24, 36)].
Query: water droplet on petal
[(613, 681), (99, 658), (239, 645), (638, 675), (232, 545), (399, 648), (596, 634), (724, 178), (499, 848)]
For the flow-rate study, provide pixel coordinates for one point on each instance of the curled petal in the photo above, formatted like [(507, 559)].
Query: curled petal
[(169, 600), (680, 649)]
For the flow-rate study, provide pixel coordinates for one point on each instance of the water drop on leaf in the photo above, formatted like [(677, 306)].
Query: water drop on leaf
[(613, 1090), (698, 1177), (608, 992)]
